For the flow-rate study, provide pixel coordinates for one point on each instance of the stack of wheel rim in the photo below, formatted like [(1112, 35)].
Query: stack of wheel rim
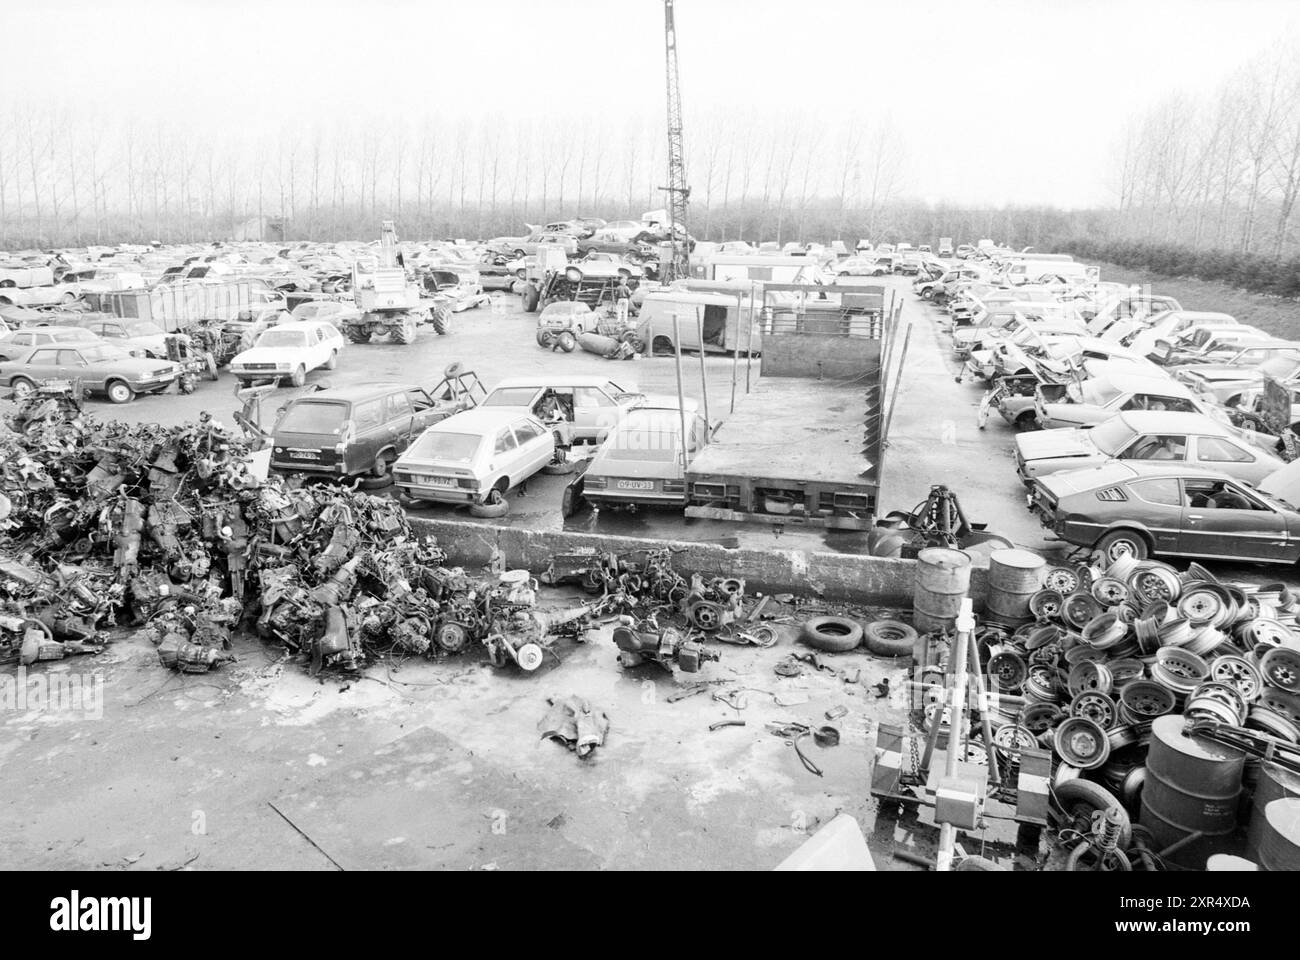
[(1113, 648)]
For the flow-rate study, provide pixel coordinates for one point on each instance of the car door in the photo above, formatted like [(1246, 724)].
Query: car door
[(424, 412), (1156, 504), (399, 419), (43, 364), (594, 413), (505, 460), (1224, 519), (367, 435), (534, 450)]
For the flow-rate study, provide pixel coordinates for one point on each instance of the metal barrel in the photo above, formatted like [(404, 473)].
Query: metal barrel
[(1014, 577), (1227, 863), (1279, 848), (942, 582), (1273, 783), (1192, 786)]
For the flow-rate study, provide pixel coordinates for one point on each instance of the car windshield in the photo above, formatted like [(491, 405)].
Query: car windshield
[(97, 353), (1112, 436), (442, 445), (1099, 392), (281, 338), (309, 417), (510, 397), (561, 309), (143, 328)]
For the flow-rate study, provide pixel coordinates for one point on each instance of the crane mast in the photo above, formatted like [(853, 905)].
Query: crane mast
[(678, 191)]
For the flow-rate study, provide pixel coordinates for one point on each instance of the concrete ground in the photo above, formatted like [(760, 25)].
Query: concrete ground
[(439, 764)]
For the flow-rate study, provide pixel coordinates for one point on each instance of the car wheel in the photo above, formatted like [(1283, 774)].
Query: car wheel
[(22, 388), (1123, 543), (119, 392), (927, 293), (494, 505), (333, 361), (519, 254), (299, 376), (545, 339), (566, 341), (531, 297)]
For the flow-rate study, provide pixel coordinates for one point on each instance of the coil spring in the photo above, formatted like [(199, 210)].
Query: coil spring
[(1105, 831)]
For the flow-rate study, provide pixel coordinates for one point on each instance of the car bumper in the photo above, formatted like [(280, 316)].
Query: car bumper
[(647, 498), (153, 383), (438, 494)]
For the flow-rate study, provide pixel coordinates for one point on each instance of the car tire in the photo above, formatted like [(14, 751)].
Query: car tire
[(889, 638), (119, 392), (299, 377), (831, 634), (559, 468), (333, 361), (545, 339), (519, 255), (566, 341), (1119, 543), (22, 388), (494, 505), (531, 297), (928, 294)]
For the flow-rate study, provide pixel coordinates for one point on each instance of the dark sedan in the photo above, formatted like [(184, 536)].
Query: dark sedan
[(101, 368), (1125, 509)]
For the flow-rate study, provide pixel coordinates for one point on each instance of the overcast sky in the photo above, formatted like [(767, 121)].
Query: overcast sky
[(997, 100)]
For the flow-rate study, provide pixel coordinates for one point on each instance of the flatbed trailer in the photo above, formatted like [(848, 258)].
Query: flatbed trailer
[(790, 453)]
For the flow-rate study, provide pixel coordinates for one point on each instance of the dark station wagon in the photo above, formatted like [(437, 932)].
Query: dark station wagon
[(360, 431)]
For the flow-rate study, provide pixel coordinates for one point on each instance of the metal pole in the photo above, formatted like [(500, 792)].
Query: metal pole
[(704, 373), (681, 402), (956, 722), (735, 348), (749, 337), (898, 379), (986, 726)]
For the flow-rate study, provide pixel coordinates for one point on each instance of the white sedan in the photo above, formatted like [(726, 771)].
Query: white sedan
[(289, 350)]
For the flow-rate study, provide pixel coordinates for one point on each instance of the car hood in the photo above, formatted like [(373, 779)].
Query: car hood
[(634, 469), (1050, 444), (141, 366), (154, 343), (265, 355), (1069, 482), (1215, 371), (1283, 483)]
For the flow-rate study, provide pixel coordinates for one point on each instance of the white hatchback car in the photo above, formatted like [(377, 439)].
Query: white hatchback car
[(289, 350), (474, 457)]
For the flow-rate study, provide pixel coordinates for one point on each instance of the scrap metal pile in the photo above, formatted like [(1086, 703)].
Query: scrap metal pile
[(663, 616), (1116, 668), (103, 523)]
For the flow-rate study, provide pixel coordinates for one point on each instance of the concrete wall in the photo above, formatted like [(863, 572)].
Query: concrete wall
[(835, 576), (815, 355)]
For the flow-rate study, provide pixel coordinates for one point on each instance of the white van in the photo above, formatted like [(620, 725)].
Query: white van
[(1029, 270), (730, 324)]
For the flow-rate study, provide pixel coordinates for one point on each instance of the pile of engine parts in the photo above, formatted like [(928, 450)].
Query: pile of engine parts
[(1162, 697), (662, 616), (103, 523)]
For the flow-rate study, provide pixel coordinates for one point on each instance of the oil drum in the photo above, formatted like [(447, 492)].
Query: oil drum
[(1279, 845), (1014, 577), (1192, 785), (1273, 783), (942, 582)]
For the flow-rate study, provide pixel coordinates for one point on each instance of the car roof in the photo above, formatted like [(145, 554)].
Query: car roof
[(301, 325), (1148, 421), (1202, 315), (361, 391), (480, 418), (552, 380)]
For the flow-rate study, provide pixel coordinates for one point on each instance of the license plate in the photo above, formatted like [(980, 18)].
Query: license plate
[(303, 455), (636, 484), (431, 481)]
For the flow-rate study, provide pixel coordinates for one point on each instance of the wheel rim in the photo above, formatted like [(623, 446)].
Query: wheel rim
[(22, 390)]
